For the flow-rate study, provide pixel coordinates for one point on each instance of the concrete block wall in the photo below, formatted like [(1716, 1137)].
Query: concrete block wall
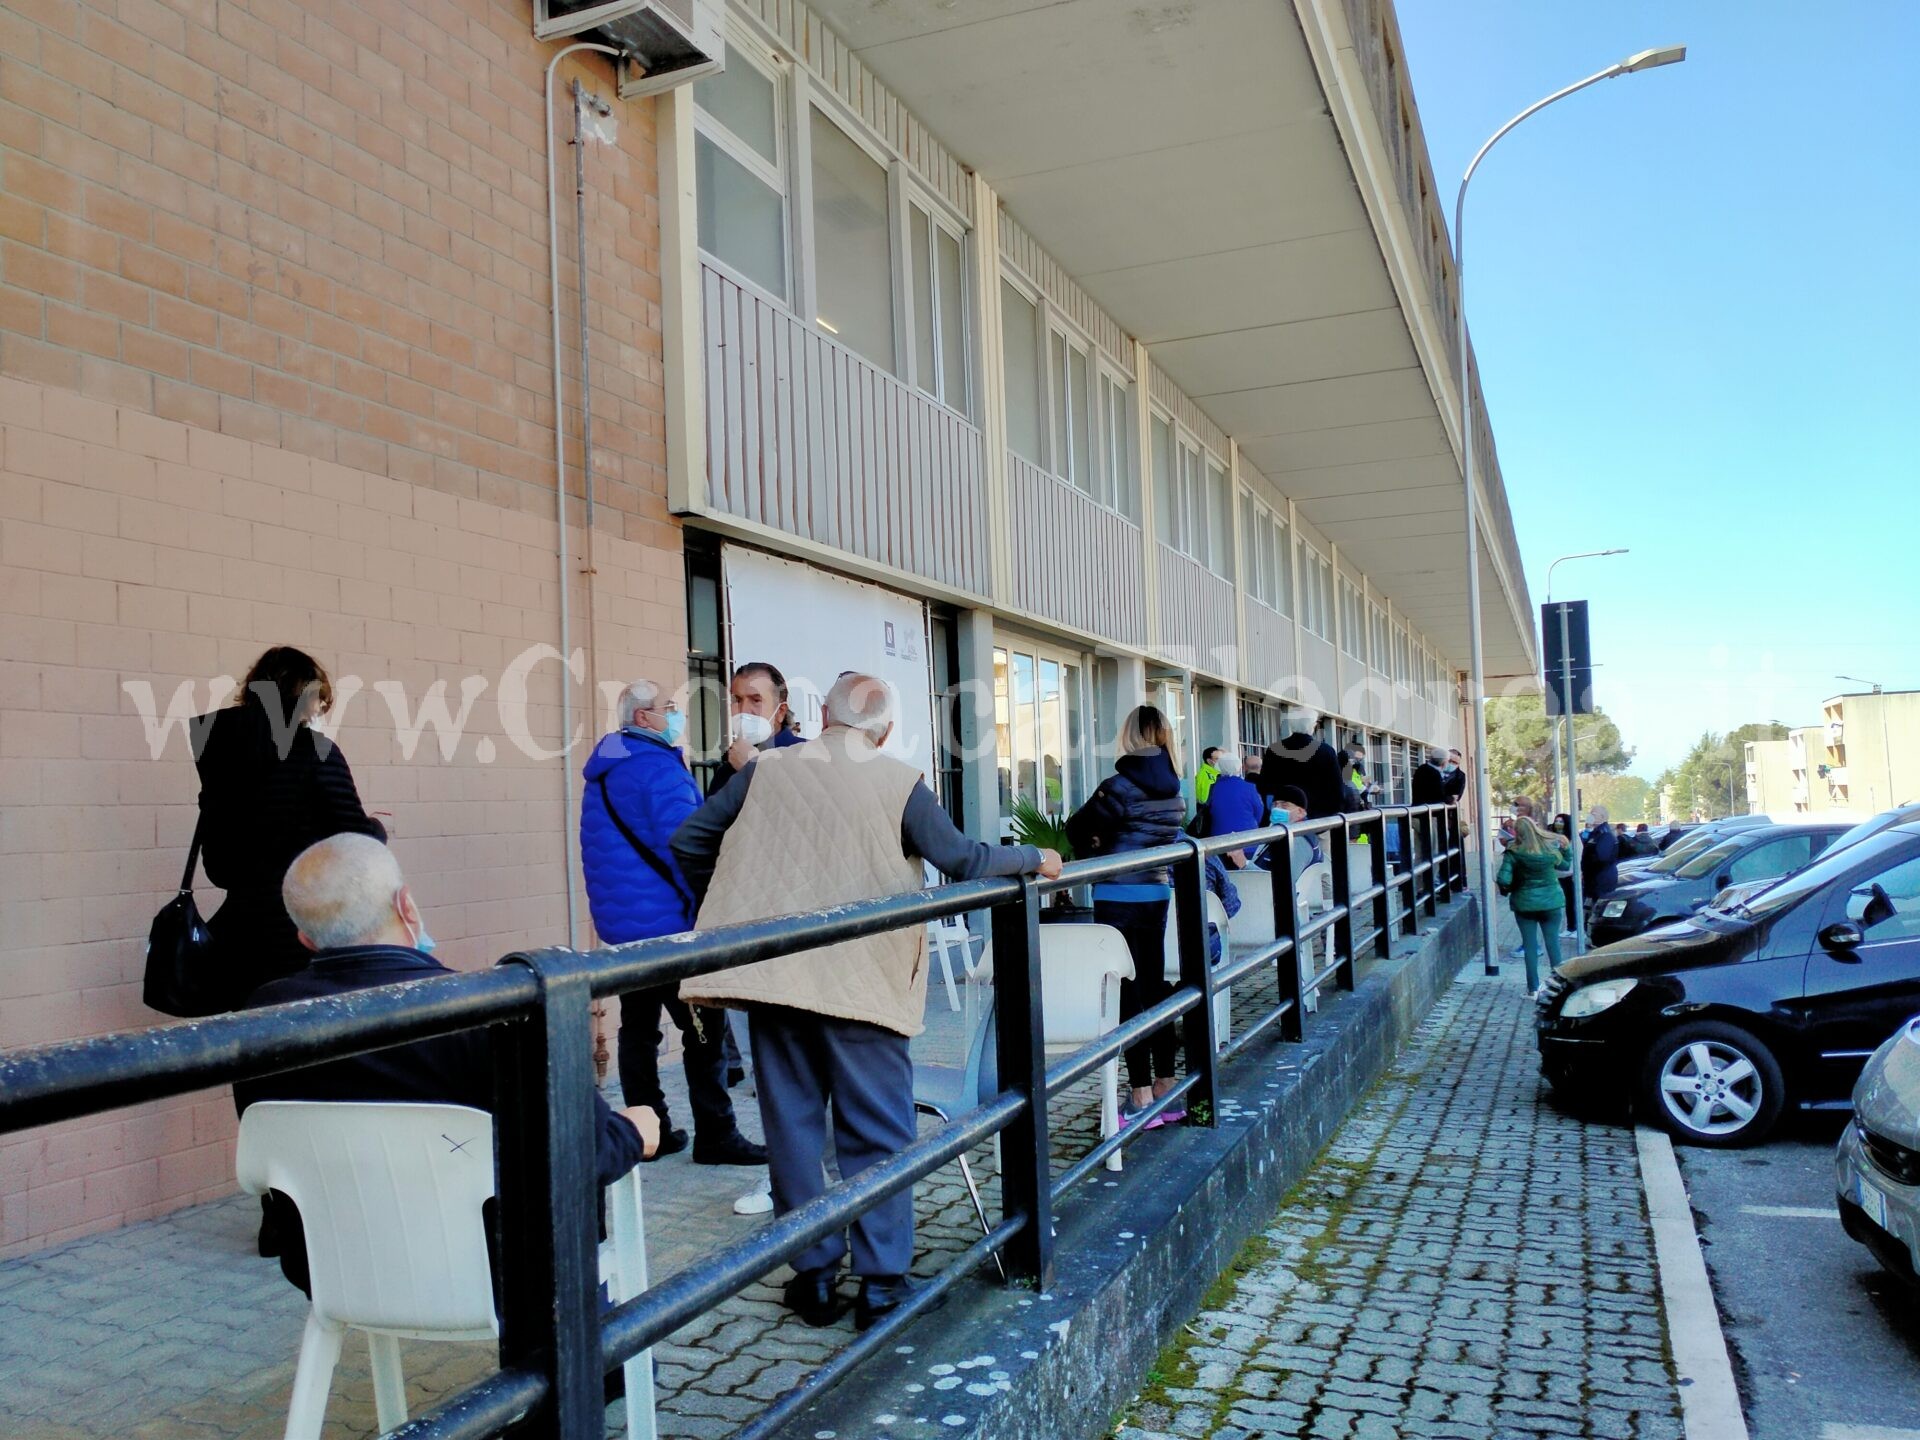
[(275, 368)]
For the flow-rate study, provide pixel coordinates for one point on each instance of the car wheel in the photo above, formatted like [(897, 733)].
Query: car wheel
[(1710, 1083)]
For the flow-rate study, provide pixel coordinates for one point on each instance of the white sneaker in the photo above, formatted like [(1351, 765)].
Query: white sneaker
[(756, 1202)]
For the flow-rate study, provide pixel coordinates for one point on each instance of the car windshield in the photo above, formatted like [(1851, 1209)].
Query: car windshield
[(1803, 882), (1682, 851), (1704, 863)]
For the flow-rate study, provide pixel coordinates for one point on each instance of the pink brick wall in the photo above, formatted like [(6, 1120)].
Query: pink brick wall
[(274, 368)]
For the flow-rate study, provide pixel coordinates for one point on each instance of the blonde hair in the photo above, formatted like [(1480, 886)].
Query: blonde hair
[(1530, 839), (1147, 728)]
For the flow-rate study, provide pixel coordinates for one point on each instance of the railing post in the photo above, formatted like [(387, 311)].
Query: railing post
[(1342, 860), (1383, 902), (1190, 909), (1410, 907), (1026, 1178), (550, 1200), (1430, 902), (1457, 849), (1286, 926)]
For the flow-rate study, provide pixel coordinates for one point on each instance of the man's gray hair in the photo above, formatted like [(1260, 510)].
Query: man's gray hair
[(1436, 756), (640, 695), (861, 702), (1226, 761), (340, 891)]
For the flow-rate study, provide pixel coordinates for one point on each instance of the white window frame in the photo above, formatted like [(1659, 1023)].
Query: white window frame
[(1059, 400), (787, 82), (1116, 476), (1316, 577), (915, 196)]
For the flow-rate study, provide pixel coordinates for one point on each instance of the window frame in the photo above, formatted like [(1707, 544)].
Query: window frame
[(913, 195), (787, 81)]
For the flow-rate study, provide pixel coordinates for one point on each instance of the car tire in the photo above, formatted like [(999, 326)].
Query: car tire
[(1742, 1094)]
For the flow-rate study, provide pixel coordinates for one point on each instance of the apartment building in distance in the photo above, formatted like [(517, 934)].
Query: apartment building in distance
[(1864, 756), (1042, 360)]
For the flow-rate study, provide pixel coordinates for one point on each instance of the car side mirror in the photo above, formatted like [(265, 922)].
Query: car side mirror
[(1842, 935), (1726, 879)]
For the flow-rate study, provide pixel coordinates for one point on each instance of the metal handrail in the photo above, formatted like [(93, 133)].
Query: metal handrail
[(555, 1346)]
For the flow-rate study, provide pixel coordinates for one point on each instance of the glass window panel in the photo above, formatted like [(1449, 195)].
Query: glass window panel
[(1080, 393), (742, 218), (743, 98), (1018, 325), (1221, 492), (1166, 503), (953, 320), (1003, 730), (1057, 381), (853, 261), (1076, 739), (920, 238), (1053, 738), (1249, 551), (1025, 727)]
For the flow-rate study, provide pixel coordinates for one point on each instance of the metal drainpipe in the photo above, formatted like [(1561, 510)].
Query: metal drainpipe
[(560, 500)]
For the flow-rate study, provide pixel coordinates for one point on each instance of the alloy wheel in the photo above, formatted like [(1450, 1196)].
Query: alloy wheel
[(1710, 1088)]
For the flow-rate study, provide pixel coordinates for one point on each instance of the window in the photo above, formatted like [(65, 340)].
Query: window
[(1166, 501), (1117, 486), (1038, 730), (1377, 623), (1253, 568), (1316, 592), (1069, 373), (1280, 566), (1219, 522), (1775, 858), (1193, 505), (939, 307), (1020, 336), (739, 164), (852, 243), (1897, 916), (1353, 629)]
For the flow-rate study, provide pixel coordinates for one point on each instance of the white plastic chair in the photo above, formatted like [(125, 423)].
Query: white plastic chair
[(1310, 898), (1253, 925), (1081, 967), (390, 1199), (945, 936), (1222, 1000)]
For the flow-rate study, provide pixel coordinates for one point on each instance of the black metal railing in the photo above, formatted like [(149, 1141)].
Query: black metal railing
[(555, 1342)]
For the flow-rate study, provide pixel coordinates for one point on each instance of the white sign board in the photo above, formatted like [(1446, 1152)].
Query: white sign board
[(814, 625)]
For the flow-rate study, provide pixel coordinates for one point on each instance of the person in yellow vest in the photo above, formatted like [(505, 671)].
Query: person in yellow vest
[(1204, 777), (827, 823)]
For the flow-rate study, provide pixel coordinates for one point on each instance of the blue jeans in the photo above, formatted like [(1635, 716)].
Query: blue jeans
[(1537, 928)]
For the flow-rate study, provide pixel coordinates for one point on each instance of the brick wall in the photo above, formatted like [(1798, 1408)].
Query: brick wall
[(275, 368)]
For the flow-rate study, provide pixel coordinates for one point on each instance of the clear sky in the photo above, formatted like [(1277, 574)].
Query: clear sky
[(1695, 296)]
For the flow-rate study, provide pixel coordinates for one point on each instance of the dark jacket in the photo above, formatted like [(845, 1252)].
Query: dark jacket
[(1309, 762), (1429, 784), (1599, 863), (1234, 805), (1137, 807), (724, 771), (454, 1069), (653, 794), (258, 811), (1456, 784)]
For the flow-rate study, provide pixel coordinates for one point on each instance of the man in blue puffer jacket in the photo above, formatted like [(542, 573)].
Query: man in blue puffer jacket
[(638, 791)]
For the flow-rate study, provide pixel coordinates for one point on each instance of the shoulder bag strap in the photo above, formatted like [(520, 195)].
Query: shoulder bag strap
[(193, 855), (641, 848)]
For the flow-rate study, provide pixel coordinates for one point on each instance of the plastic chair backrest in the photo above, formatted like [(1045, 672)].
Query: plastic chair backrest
[(390, 1200), (983, 1058), (1076, 964), (1253, 925)]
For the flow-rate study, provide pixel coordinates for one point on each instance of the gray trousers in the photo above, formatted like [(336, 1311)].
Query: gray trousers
[(801, 1061)]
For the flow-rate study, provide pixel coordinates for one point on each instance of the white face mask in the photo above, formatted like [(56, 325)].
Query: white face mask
[(756, 730)]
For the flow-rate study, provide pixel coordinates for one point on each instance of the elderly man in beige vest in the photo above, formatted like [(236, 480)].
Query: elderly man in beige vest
[(826, 823)]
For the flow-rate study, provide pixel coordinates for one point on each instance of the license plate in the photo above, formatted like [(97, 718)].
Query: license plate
[(1872, 1203)]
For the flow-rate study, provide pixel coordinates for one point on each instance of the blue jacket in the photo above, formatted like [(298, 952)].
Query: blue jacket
[(1138, 807), (653, 793), (1235, 805)]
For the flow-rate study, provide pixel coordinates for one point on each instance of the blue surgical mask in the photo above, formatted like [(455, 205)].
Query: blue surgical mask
[(676, 727), (426, 944)]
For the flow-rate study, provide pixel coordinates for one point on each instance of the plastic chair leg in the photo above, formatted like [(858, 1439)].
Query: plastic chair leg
[(389, 1385), (1110, 1108), (938, 942), (979, 1210), (313, 1378)]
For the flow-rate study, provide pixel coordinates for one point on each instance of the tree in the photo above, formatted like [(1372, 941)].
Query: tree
[(1520, 747), (1711, 781), (1627, 797)]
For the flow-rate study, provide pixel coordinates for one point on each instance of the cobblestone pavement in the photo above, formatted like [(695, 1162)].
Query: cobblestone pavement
[(1463, 1261)]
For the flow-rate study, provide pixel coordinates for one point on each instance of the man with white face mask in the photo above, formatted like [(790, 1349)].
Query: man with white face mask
[(758, 719)]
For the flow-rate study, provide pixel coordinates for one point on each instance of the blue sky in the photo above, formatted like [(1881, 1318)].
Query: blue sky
[(1695, 295)]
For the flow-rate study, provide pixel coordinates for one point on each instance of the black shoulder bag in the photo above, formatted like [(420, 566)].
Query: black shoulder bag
[(645, 851), (182, 974)]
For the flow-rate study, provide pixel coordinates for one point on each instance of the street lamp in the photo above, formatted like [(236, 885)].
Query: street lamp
[(1477, 680), (1573, 786)]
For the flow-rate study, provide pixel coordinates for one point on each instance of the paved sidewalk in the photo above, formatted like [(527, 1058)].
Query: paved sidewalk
[(1464, 1261)]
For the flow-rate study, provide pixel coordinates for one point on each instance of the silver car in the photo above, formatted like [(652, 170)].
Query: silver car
[(1877, 1166)]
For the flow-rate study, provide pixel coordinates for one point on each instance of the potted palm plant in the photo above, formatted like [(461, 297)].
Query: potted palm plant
[(1034, 826)]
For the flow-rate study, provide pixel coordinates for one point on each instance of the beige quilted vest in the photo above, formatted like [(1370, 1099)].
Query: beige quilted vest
[(821, 826)]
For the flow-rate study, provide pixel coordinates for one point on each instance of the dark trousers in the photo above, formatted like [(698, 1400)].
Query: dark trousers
[(800, 1062), (1144, 924), (1566, 892), (704, 1052)]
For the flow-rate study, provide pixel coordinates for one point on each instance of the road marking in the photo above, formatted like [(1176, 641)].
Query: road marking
[(1797, 1212), (1709, 1400), (1831, 1431)]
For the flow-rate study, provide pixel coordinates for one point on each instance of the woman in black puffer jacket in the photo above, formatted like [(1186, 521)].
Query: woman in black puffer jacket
[(1138, 807)]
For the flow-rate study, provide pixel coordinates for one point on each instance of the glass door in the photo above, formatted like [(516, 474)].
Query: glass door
[(1039, 730)]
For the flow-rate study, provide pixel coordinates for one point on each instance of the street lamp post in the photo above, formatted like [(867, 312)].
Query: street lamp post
[(1573, 789), (1477, 681)]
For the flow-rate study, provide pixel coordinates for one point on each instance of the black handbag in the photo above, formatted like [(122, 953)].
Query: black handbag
[(183, 973)]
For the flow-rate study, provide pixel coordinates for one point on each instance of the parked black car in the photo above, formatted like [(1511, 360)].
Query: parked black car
[(1714, 1024), (1762, 853)]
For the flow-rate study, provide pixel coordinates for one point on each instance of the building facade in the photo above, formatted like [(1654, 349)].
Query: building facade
[(1771, 783), (1863, 757), (1044, 364)]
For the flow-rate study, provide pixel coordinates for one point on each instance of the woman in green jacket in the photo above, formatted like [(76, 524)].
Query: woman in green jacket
[(1530, 877)]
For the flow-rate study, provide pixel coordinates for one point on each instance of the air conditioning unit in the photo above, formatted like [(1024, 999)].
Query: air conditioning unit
[(662, 43)]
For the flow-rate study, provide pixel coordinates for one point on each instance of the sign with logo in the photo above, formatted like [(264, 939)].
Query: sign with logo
[(1568, 669)]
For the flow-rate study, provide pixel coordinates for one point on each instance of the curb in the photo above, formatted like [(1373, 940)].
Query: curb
[(1709, 1399)]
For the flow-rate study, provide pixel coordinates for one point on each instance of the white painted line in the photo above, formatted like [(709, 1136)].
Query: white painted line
[(1791, 1212), (1709, 1400), (1831, 1431)]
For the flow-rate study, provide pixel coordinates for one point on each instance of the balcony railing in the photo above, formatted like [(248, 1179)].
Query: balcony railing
[(810, 438), (1196, 610), (1072, 559), (555, 1342)]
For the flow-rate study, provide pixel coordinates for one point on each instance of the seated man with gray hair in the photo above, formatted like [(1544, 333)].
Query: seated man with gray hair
[(353, 910), (828, 823)]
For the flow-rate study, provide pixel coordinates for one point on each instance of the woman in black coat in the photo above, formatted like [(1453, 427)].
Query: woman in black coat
[(270, 786), (1138, 807)]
